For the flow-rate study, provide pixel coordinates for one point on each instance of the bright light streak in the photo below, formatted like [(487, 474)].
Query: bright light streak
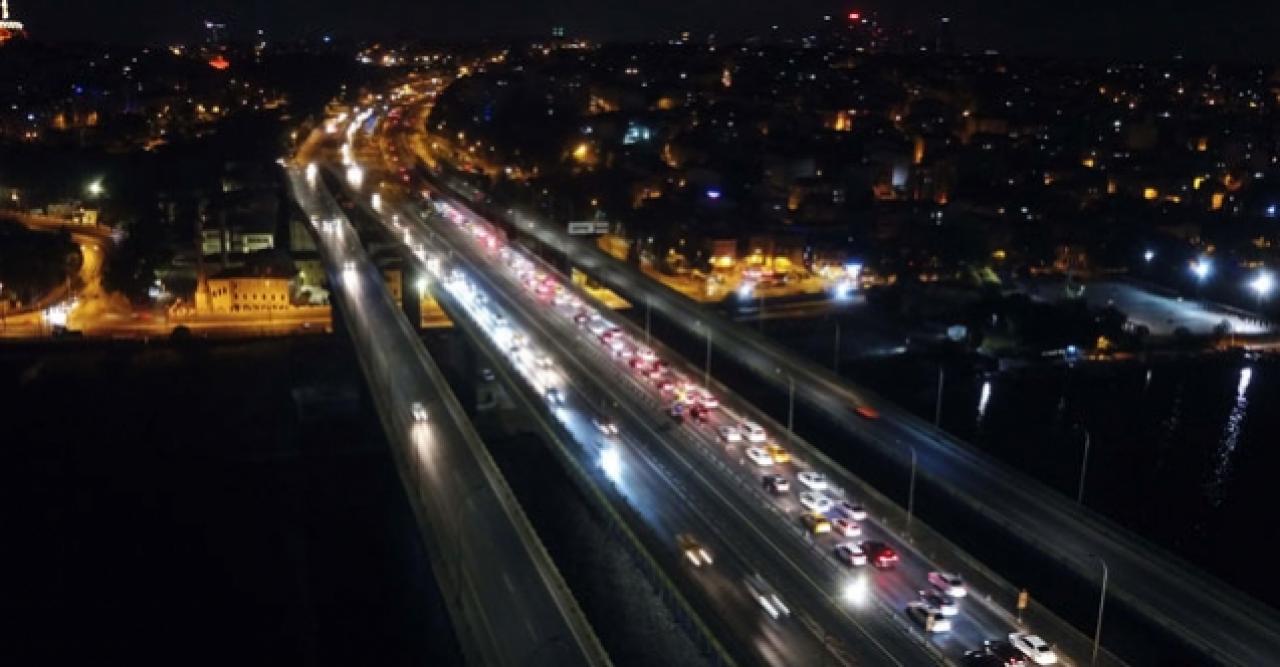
[(376, 201), (312, 172), (983, 399), (1202, 268), (421, 284), (355, 175), (611, 464), (844, 290), (1246, 376), (1263, 284), (856, 592)]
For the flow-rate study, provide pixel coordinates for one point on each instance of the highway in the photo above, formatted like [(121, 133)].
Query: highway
[(1222, 622), (509, 604), (766, 527)]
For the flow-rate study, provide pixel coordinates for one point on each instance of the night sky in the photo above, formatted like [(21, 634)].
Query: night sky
[(1209, 29)]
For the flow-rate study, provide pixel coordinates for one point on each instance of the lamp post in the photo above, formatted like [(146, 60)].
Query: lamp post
[(1084, 467), (791, 401), (835, 357), (706, 366), (937, 409), (1102, 600), (911, 489)]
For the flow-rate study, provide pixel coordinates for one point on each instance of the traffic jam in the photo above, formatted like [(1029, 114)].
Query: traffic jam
[(825, 515)]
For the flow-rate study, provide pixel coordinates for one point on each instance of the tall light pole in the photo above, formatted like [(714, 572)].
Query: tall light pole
[(911, 489), (791, 401), (647, 305), (1084, 468), (835, 357), (1102, 600), (706, 366), (937, 409)]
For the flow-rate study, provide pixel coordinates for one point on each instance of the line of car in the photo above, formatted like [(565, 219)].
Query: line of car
[(826, 511)]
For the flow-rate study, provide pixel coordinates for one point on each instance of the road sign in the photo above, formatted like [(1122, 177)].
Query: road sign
[(584, 227)]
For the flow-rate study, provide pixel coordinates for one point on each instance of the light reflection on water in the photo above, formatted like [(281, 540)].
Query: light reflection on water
[(1215, 490)]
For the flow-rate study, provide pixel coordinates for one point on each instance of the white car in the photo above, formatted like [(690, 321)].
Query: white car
[(1033, 647), (729, 434), (949, 583), (759, 456), (606, 427), (766, 597), (815, 501), (854, 511), (419, 412), (846, 527), (940, 602), (850, 554), (753, 432), (813, 479), (928, 619)]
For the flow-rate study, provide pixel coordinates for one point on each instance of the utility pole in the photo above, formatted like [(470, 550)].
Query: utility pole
[(647, 306), (1084, 467), (1102, 600), (706, 368), (911, 490), (937, 410), (835, 357)]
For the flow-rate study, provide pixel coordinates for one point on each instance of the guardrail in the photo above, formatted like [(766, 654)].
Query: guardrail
[(830, 395), (453, 541), (617, 378), (609, 504)]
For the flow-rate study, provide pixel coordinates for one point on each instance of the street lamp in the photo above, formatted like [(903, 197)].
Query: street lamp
[(791, 401), (911, 489), (94, 188), (1202, 268), (1102, 599), (1262, 285), (1084, 467), (1148, 256)]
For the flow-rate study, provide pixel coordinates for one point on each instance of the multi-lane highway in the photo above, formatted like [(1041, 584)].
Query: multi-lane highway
[(510, 605), (1211, 616), (762, 529)]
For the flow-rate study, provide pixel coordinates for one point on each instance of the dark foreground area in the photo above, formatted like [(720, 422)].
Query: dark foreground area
[(229, 503)]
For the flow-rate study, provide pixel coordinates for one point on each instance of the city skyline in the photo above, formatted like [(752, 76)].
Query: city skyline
[(1146, 30)]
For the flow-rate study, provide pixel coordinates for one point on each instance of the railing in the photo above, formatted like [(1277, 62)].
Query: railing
[(464, 505)]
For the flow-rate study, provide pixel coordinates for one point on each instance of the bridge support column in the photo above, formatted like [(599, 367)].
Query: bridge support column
[(411, 277)]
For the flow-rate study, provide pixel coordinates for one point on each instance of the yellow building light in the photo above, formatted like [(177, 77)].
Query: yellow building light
[(1088, 162), (1216, 201), (1197, 182), (1150, 193)]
